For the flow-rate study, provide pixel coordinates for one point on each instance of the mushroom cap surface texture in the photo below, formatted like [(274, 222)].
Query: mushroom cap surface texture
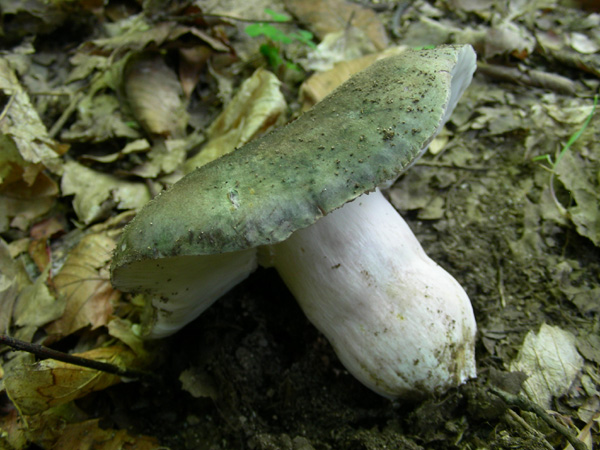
[(365, 133)]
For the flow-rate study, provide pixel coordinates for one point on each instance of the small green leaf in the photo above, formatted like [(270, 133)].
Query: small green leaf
[(269, 31), (305, 37), (271, 54), (256, 29), (276, 16), (293, 66)]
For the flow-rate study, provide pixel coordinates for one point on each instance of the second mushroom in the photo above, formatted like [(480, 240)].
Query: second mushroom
[(305, 199)]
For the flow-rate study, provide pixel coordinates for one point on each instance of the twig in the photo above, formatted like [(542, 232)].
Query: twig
[(527, 405), (48, 353), (7, 107), (529, 77), (65, 115), (235, 18), (452, 166), (530, 429)]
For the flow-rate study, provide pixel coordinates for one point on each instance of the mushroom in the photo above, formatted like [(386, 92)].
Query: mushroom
[(305, 199)]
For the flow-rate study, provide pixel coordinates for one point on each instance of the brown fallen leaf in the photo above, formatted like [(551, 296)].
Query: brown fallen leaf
[(155, 95), (34, 388), (26, 191), (97, 193), (85, 284), (66, 427), (322, 83), (12, 432), (89, 436), (255, 108), (13, 279), (328, 16), (36, 306)]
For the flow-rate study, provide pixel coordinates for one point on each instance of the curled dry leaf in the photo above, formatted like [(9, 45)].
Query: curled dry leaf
[(12, 280), (34, 388), (22, 125), (551, 360), (253, 110), (155, 95), (97, 193), (192, 63), (327, 16), (320, 84), (164, 158), (509, 38), (26, 191), (338, 46), (36, 306), (90, 434), (84, 284), (579, 175), (66, 427)]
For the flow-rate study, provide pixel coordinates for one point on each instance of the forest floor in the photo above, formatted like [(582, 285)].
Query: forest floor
[(103, 104)]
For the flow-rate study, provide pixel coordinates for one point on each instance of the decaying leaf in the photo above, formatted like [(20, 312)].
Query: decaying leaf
[(198, 383), (165, 157), (96, 193), (9, 286), (580, 178), (155, 95), (90, 435), (351, 43), (319, 85), (66, 427), (323, 17), (12, 432), (253, 110), (99, 119), (508, 38), (23, 126), (122, 329), (26, 191), (551, 360), (36, 306), (34, 388), (84, 283)]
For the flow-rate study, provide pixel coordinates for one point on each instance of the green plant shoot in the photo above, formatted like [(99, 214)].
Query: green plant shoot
[(570, 142), (271, 50)]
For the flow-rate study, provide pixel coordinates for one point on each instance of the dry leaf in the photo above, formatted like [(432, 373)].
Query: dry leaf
[(12, 432), (122, 329), (97, 193), (13, 279), (321, 84), (23, 126), (327, 16), (254, 109), (34, 388), (579, 175), (36, 306), (165, 157), (155, 95), (89, 435), (192, 64), (26, 192), (551, 360), (84, 283), (509, 38), (338, 46)]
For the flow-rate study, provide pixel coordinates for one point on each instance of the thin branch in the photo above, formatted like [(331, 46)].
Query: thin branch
[(527, 405), (48, 353)]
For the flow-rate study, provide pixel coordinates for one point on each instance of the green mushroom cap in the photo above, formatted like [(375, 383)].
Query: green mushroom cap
[(362, 135)]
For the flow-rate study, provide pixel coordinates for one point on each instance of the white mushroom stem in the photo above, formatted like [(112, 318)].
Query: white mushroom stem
[(398, 322)]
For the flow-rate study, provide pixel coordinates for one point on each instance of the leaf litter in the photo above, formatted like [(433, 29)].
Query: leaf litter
[(94, 126)]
